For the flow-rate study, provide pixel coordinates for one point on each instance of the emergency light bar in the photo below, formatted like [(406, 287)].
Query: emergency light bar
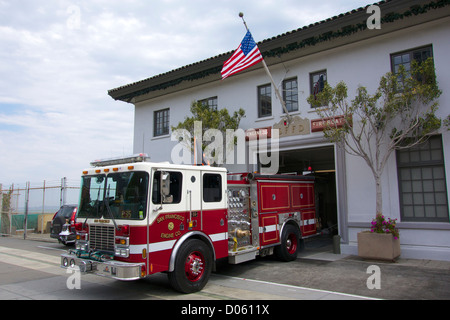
[(140, 157)]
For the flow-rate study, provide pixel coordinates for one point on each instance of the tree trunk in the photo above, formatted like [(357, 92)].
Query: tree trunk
[(379, 196)]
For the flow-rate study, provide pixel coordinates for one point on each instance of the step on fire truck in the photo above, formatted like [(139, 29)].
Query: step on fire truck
[(137, 218)]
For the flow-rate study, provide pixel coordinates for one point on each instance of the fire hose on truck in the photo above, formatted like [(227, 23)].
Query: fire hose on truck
[(137, 218)]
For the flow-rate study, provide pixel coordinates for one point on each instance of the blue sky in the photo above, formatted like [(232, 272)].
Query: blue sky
[(59, 58)]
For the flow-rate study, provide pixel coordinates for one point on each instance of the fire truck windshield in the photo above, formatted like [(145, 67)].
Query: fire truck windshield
[(124, 194)]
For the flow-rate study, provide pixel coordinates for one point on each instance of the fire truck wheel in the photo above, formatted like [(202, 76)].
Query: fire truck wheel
[(193, 266), (288, 249)]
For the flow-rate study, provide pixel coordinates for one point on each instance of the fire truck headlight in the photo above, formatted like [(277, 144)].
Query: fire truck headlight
[(122, 252), (81, 245)]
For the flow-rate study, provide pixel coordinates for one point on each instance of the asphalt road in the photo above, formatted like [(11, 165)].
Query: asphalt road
[(30, 270)]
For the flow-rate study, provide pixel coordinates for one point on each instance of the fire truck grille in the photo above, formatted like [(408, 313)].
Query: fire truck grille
[(101, 238)]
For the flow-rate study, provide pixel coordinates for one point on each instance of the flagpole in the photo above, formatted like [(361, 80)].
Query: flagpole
[(277, 92)]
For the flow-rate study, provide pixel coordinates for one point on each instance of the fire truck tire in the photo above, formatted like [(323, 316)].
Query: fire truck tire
[(193, 266), (289, 247)]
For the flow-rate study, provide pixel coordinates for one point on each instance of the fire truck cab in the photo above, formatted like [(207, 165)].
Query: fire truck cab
[(137, 218)]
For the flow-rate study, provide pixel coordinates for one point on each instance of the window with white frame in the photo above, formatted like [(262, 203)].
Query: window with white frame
[(290, 94), (212, 103), (422, 182), (161, 122), (405, 58), (264, 101), (317, 82)]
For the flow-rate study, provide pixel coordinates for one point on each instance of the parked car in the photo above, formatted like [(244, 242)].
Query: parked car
[(63, 224)]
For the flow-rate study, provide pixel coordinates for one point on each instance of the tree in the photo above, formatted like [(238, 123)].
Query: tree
[(209, 118), (401, 114), (5, 211)]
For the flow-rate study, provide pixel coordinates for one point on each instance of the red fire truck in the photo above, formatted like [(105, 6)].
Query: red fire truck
[(137, 218)]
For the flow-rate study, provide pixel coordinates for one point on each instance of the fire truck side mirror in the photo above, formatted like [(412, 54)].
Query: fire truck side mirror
[(165, 188)]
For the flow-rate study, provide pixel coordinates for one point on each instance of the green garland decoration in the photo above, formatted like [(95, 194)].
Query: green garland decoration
[(351, 29)]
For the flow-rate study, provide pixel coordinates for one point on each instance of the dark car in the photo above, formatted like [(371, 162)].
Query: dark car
[(63, 224)]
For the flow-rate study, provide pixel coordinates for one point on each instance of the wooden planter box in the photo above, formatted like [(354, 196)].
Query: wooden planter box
[(378, 246)]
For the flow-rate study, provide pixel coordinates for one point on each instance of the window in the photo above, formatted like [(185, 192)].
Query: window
[(422, 183), (212, 187), (405, 58), (264, 101), (317, 81), (176, 179), (119, 195), (210, 102), (290, 94), (161, 122)]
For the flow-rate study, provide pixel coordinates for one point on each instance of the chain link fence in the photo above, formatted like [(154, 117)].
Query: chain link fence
[(29, 208)]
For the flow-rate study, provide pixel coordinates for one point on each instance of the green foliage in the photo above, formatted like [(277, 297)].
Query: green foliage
[(211, 119), (5, 210), (447, 122), (403, 109), (400, 114)]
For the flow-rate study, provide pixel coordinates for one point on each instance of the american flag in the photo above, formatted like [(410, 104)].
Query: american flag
[(246, 55)]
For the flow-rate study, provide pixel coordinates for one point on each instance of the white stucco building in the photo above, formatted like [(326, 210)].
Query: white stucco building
[(415, 182)]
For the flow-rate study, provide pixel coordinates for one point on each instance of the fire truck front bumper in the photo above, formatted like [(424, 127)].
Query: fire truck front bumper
[(111, 269)]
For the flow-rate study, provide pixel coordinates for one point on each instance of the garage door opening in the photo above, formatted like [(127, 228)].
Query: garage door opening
[(321, 162)]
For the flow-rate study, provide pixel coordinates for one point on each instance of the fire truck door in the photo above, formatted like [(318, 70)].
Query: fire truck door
[(268, 229), (193, 200)]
